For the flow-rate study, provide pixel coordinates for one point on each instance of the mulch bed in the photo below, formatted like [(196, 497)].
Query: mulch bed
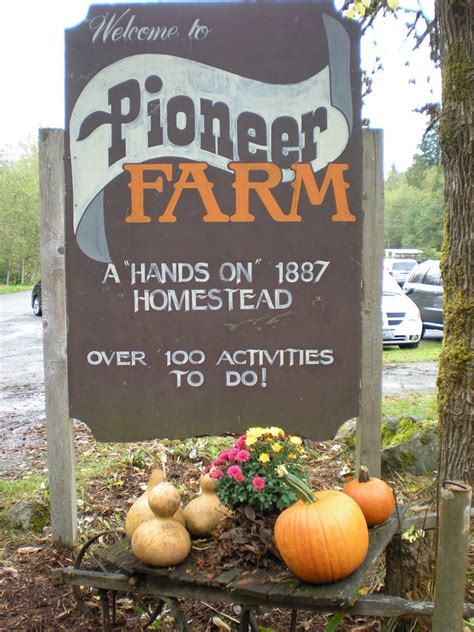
[(30, 602)]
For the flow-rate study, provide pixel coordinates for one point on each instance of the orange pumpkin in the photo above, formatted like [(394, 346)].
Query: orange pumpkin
[(321, 539), (373, 496)]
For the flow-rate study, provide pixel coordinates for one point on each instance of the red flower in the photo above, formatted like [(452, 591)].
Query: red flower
[(240, 443), (235, 472), (258, 482), (216, 473), (242, 456), (232, 453)]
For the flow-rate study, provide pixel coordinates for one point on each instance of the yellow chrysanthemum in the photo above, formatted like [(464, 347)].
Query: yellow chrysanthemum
[(264, 457), (296, 440), (292, 456), (276, 447), (276, 432), (250, 441), (255, 432)]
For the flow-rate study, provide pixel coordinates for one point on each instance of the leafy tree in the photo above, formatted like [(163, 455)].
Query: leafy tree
[(414, 209), (19, 217), (430, 150), (428, 156)]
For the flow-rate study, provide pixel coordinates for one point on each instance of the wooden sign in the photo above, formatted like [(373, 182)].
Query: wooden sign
[(213, 219)]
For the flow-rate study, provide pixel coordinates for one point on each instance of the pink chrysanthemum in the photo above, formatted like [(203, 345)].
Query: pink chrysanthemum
[(258, 482), (235, 472), (242, 456), (240, 443), (232, 453), (216, 473)]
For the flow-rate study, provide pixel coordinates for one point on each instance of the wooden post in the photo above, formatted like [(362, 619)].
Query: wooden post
[(61, 461), (451, 559), (368, 432)]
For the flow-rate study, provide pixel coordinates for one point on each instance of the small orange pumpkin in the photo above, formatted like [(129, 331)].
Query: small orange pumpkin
[(373, 496), (321, 539)]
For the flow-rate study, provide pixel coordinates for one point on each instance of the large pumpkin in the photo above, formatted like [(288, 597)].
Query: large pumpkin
[(373, 496), (324, 539)]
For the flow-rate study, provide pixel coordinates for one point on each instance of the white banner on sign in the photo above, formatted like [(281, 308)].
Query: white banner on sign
[(123, 116)]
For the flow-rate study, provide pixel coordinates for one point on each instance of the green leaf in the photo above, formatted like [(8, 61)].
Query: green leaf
[(335, 621), (392, 4)]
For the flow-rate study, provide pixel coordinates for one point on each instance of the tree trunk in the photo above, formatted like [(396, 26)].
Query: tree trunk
[(456, 361)]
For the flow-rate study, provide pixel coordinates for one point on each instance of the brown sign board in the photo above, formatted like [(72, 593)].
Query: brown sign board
[(213, 219)]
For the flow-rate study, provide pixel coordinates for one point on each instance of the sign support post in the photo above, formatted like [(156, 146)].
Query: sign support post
[(368, 433), (61, 458)]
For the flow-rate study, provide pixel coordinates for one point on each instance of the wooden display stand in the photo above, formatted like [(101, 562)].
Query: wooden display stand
[(119, 571)]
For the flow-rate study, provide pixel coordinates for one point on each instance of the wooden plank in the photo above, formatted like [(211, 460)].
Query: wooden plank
[(60, 432), (95, 579), (368, 431), (371, 605), (255, 584), (224, 578), (387, 606), (422, 520)]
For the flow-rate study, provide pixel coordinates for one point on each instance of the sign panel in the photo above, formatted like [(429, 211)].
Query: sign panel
[(213, 219)]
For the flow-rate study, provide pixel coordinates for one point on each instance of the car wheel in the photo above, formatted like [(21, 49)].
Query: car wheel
[(411, 345), (36, 306)]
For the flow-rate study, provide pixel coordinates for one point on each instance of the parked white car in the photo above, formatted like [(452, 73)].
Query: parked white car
[(402, 324), (400, 269)]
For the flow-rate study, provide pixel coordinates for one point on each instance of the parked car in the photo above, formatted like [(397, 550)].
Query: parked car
[(400, 268), (424, 288), (402, 324), (36, 299)]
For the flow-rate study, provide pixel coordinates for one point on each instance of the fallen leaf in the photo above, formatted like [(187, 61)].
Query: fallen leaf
[(25, 550), (9, 571)]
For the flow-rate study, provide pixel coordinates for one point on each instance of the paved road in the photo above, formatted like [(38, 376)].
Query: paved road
[(21, 375)]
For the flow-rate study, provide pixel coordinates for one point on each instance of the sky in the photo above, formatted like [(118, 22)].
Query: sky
[(32, 68)]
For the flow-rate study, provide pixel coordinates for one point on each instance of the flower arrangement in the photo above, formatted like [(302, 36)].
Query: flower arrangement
[(246, 475)]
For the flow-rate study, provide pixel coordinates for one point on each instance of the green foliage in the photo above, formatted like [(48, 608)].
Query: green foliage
[(246, 475), (335, 621), (414, 208), (19, 218), (406, 429), (9, 289)]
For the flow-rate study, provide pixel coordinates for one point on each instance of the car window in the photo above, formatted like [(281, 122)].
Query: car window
[(433, 277), (417, 276), (403, 265)]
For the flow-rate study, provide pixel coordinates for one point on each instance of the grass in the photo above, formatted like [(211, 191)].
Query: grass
[(428, 351), (9, 289), (422, 405), (12, 490)]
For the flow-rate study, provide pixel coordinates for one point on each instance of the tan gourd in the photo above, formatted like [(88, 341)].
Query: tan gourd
[(162, 541), (140, 511), (205, 512)]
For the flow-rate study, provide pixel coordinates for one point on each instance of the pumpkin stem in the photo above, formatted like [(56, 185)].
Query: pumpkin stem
[(299, 487), (364, 475)]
